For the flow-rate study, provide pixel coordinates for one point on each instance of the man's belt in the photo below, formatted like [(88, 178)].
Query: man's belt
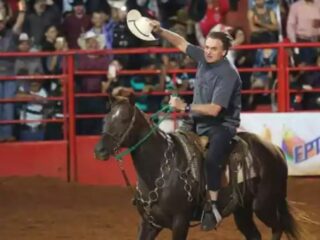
[(301, 38)]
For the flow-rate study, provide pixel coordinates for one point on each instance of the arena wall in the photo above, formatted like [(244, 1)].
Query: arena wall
[(34, 158), (295, 133)]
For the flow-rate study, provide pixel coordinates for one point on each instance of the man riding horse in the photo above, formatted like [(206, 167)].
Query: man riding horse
[(168, 166), (216, 105)]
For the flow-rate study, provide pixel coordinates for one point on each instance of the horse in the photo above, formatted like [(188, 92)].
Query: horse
[(167, 195)]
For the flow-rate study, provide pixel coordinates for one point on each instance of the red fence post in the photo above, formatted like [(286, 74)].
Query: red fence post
[(72, 163), (287, 80), (65, 98), (282, 91)]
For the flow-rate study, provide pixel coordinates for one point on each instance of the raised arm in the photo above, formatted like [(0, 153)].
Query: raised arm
[(173, 38), (17, 27)]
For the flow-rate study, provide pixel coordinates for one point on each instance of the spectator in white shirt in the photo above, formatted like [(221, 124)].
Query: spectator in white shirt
[(33, 111)]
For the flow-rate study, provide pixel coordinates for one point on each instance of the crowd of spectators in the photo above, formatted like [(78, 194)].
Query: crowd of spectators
[(60, 25)]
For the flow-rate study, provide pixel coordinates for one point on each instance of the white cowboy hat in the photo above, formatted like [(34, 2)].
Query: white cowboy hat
[(119, 4), (139, 25), (88, 35)]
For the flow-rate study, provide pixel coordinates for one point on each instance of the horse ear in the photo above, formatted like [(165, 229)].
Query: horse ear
[(124, 92)]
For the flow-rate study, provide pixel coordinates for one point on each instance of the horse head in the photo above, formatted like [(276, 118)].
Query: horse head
[(117, 128)]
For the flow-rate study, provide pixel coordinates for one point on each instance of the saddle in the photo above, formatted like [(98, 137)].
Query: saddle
[(236, 167), (195, 148)]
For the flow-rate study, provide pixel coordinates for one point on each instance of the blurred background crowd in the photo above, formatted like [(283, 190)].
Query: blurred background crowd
[(61, 25)]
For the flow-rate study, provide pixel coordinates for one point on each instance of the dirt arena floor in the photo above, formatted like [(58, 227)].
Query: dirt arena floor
[(41, 208)]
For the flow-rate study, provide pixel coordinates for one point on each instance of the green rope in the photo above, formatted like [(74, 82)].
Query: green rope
[(167, 109)]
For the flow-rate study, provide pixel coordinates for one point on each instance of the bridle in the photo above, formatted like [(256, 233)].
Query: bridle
[(120, 141)]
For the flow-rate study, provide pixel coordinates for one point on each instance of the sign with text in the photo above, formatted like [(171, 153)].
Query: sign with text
[(298, 134)]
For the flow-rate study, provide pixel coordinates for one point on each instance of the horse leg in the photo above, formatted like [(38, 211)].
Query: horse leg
[(180, 228), (147, 231), (266, 211), (243, 217)]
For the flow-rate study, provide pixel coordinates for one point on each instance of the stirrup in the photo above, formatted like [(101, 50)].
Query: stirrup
[(210, 219)]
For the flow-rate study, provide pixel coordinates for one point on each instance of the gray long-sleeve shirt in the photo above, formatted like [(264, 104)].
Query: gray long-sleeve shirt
[(32, 64), (8, 43)]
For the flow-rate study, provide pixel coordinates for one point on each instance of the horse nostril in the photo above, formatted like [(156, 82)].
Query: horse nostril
[(100, 153), (101, 156)]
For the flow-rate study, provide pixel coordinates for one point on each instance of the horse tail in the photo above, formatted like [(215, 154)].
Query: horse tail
[(288, 222)]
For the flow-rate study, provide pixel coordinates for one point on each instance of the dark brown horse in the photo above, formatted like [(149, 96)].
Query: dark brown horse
[(167, 196)]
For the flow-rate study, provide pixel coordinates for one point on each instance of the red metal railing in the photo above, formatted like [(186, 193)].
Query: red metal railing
[(283, 90)]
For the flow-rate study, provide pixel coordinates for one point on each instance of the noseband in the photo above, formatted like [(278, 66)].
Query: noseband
[(120, 141)]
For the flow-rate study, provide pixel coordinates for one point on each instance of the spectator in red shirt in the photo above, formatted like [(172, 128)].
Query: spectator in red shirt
[(92, 41), (91, 83), (216, 10), (76, 24)]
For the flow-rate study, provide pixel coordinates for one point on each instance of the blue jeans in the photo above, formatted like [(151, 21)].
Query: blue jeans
[(32, 135), (307, 55), (219, 147), (7, 90)]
